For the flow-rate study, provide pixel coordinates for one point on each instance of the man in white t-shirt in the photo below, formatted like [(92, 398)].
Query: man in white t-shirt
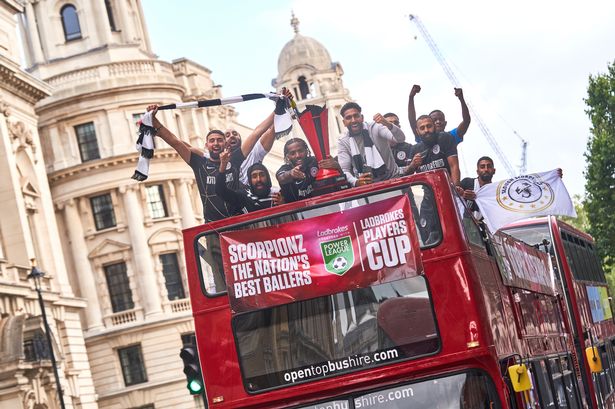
[(256, 155)]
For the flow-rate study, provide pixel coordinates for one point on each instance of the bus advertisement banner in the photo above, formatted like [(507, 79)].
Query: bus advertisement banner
[(356, 248), (600, 307), (523, 266)]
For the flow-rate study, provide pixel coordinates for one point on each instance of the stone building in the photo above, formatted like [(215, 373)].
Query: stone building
[(29, 233), (112, 248), (115, 285)]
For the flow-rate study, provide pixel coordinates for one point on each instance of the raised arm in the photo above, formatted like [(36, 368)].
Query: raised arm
[(222, 190), (412, 110), (396, 134), (465, 114), (453, 163), (184, 149), (259, 131), (267, 139)]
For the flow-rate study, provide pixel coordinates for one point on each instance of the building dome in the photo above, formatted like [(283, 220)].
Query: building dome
[(302, 50)]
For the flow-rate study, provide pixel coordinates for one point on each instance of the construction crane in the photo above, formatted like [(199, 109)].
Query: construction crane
[(475, 116)]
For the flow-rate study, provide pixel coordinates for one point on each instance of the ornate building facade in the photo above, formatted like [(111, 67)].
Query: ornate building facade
[(115, 288), (29, 234), (112, 248), (305, 67)]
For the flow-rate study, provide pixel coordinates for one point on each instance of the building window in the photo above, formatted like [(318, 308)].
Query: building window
[(119, 287), (304, 87), (36, 348), (155, 201), (172, 276), (102, 208), (110, 15), (70, 22), (131, 361), (136, 118), (88, 145)]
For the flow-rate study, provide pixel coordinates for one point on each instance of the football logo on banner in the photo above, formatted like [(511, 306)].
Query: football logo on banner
[(338, 255)]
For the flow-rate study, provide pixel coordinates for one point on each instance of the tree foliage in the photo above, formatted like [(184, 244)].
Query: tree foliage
[(581, 222), (600, 156)]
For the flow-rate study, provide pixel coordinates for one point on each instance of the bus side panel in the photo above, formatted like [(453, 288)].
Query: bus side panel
[(498, 307), (218, 346)]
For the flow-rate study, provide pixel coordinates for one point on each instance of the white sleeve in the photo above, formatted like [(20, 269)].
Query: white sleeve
[(256, 155)]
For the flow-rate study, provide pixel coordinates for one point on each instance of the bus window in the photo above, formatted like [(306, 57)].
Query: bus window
[(425, 215), (208, 244), (532, 235), (545, 391), (471, 229), (557, 378), (331, 335), (471, 390), (605, 379), (570, 384)]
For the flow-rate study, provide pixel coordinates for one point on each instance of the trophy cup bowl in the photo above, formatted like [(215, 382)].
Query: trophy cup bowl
[(314, 123)]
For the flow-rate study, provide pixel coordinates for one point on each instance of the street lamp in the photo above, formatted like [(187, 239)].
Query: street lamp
[(35, 275)]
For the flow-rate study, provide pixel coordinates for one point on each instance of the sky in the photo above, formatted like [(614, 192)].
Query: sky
[(523, 66)]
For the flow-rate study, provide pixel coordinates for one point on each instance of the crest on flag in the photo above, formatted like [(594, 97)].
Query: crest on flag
[(527, 193), (338, 255), (520, 197)]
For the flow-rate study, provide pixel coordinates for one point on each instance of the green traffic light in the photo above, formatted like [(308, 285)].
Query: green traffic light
[(195, 386)]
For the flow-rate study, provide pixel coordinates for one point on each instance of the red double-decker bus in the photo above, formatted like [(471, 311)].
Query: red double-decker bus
[(388, 296), (586, 295)]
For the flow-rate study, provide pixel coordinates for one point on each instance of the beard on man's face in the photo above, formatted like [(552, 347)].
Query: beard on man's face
[(486, 177), (429, 138), (260, 189)]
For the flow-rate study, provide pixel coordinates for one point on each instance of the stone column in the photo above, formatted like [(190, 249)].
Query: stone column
[(141, 16), (126, 21), (83, 269), (102, 21), (184, 200), (145, 273), (35, 41)]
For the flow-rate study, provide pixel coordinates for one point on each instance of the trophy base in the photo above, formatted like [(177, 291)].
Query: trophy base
[(330, 184)]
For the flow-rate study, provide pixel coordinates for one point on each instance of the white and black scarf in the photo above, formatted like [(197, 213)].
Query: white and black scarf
[(145, 146), (373, 160), (282, 124)]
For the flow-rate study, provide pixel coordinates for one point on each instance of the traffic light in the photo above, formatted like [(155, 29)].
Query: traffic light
[(192, 369)]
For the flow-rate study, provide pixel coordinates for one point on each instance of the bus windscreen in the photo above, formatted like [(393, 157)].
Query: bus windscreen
[(335, 334)]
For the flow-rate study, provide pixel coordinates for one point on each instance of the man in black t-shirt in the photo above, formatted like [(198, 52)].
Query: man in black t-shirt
[(435, 151), (297, 175), (401, 150), (206, 170)]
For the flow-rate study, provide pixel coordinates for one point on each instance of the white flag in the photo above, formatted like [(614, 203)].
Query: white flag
[(521, 197)]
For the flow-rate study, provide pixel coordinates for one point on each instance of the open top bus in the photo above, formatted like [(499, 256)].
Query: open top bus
[(385, 296)]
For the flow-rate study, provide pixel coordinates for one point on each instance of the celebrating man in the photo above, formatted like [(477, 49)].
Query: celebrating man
[(437, 150), (438, 116), (206, 168), (297, 175), (485, 171), (364, 151), (401, 150), (258, 196)]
